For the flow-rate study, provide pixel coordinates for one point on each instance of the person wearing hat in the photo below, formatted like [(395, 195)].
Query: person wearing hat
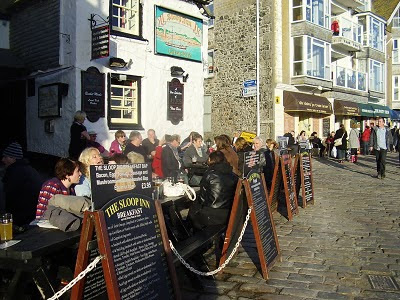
[(92, 143), (21, 184)]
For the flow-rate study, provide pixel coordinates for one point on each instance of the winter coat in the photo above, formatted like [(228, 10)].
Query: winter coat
[(232, 158), (354, 142), (339, 134), (217, 190), (192, 152)]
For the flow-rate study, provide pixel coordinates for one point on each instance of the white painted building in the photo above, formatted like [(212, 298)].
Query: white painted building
[(137, 93)]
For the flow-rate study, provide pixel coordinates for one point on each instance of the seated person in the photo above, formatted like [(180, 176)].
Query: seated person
[(157, 164), (89, 157), (135, 158), (92, 143), (171, 163), (150, 143), (316, 142), (135, 144), (119, 158), (217, 190), (119, 144), (195, 154), (21, 184), (67, 173)]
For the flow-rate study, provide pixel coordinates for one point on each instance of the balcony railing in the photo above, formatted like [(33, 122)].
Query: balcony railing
[(351, 79), (350, 30)]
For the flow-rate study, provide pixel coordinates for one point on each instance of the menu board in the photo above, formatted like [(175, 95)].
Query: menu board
[(95, 285), (93, 93), (175, 101), (289, 185), (137, 251), (306, 179), (276, 184), (248, 161), (257, 197), (110, 181)]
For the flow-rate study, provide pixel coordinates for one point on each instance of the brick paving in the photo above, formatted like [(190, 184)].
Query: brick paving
[(328, 249)]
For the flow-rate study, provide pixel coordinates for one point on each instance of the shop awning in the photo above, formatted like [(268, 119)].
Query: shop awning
[(394, 115), (346, 108), (293, 101), (381, 111), (374, 110)]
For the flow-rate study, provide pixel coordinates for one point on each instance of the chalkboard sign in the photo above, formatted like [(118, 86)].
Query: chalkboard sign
[(110, 181), (93, 95), (276, 185), (326, 129), (248, 161), (137, 249), (175, 101), (137, 261), (261, 220), (303, 178), (289, 185)]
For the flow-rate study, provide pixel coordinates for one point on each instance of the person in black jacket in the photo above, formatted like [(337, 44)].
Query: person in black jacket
[(269, 167), (217, 190), (22, 184), (171, 162), (341, 149)]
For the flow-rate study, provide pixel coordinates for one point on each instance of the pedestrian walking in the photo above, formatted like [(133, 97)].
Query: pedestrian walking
[(379, 142), (341, 147), (354, 142)]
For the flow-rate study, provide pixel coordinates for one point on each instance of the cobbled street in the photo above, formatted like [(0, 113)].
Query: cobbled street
[(329, 249)]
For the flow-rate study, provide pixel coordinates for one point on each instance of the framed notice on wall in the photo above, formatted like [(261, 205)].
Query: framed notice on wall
[(49, 100), (93, 86), (175, 101), (177, 34)]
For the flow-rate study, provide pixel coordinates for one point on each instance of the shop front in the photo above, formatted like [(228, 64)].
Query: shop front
[(305, 111), (369, 112), (346, 112)]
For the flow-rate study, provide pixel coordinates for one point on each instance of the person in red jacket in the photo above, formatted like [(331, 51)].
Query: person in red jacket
[(335, 27), (157, 163), (365, 140)]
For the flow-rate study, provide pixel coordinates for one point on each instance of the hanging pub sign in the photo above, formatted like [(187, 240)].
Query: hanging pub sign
[(93, 87), (175, 101), (100, 42)]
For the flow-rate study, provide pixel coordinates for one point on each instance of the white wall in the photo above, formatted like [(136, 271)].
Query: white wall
[(154, 70)]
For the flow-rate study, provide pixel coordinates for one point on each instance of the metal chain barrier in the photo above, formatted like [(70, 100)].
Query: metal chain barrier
[(225, 263), (82, 274)]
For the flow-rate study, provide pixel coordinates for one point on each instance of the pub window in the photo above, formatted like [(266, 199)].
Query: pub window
[(395, 52), (376, 34), (126, 17), (124, 103), (396, 88)]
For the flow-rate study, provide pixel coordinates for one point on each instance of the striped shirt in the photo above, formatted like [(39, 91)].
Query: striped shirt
[(50, 188)]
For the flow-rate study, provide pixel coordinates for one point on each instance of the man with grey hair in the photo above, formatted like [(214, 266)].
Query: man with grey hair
[(379, 142), (258, 145), (135, 144)]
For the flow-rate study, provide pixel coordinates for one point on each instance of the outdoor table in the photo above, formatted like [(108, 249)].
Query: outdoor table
[(172, 207), (31, 253)]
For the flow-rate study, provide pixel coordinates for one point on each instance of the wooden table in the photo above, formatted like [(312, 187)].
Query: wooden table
[(31, 255)]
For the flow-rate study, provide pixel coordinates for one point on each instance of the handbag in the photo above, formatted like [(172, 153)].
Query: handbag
[(178, 189), (334, 152), (338, 142)]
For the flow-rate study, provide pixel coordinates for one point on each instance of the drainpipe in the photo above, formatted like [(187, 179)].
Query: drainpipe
[(258, 66)]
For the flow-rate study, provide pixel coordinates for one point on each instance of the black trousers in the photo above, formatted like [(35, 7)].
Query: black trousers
[(380, 156)]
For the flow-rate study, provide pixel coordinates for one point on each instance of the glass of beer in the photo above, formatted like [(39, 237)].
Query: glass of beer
[(6, 222)]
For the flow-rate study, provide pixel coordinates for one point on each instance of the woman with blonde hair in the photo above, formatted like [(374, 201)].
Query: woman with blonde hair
[(89, 157)]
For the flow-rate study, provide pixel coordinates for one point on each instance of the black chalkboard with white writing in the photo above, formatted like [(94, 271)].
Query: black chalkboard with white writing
[(138, 255), (304, 179), (263, 225), (289, 185)]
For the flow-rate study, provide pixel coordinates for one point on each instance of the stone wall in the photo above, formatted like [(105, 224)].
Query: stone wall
[(234, 39)]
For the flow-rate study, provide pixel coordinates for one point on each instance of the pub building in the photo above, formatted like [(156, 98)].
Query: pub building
[(130, 74)]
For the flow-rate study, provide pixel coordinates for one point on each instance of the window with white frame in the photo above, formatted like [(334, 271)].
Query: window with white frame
[(395, 52), (210, 7), (311, 57), (396, 19), (396, 88), (211, 62), (124, 108), (126, 16), (376, 75), (315, 11), (376, 34)]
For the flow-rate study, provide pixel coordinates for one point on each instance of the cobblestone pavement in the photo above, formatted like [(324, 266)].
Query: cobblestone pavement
[(330, 248)]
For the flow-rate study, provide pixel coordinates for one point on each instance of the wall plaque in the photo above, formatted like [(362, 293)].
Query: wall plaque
[(93, 89), (175, 101)]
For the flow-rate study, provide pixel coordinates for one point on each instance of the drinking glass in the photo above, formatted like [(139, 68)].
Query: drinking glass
[(6, 222)]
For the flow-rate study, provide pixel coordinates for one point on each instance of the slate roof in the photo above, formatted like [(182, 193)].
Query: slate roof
[(384, 8)]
